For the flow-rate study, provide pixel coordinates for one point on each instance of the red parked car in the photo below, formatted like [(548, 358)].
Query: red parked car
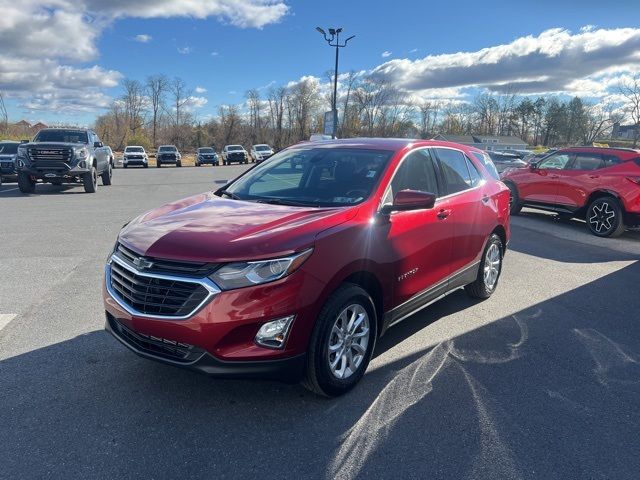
[(293, 270), (601, 185)]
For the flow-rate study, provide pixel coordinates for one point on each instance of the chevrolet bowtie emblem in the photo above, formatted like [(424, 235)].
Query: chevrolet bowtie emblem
[(142, 264)]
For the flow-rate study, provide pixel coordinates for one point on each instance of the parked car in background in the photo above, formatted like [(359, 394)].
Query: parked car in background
[(8, 154), (295, 269), (135, 155), (168, 155), (234, 154), (515, 152), (600, 185), (261, 152), (64, 155), (206, 155), (504, 161)]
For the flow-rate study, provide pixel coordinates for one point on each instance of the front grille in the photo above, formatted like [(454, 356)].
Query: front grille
[(172, 267), (156, 346), (168, 156), (51, 159), (134, 157), (156, 296)]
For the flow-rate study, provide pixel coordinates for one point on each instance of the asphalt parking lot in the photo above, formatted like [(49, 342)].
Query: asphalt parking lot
[(540, 381)]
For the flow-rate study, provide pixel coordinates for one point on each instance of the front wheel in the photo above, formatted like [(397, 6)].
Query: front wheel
[(26, 184), (489, 270), (342, 342), (178, 164), (515, 205), (158, 164), (90, 180), (604, 217)]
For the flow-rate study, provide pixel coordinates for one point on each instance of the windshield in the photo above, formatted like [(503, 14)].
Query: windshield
[(8, 148), (134, 149), (323, 177), (64, 136), (167, 149), (262, 148), (206, 150), (234, 147)]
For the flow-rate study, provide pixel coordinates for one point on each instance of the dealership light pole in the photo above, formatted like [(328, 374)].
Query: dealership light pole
[(333, 39)]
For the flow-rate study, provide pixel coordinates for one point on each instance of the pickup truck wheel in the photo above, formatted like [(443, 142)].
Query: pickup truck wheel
[(146, 165), (90, 180), (178, 164), (604, 217), (158, 164), (26, 184), (489, 270), (125, 165), (107, 175), (342, 342)]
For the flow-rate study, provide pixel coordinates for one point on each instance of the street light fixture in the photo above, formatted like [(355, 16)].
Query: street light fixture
[(333, 39)]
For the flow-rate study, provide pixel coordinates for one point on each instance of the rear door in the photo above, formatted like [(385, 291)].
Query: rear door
[(471, 211), (584, 174)]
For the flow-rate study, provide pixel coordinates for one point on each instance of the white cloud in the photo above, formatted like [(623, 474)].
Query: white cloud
[(200, 90), (413, 50), (232, 92), (386, 54), (184, 50), (196, 102), (214, 54), (42, 41), (550, 62)]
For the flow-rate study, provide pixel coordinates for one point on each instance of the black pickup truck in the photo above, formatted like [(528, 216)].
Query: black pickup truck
[(63, 155)]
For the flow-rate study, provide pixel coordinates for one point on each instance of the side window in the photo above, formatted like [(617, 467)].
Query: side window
[(555, 161), (586, 161), (473, 173), (610, 161), (283, 177), (488, 163), (454, 167), (417, 172)]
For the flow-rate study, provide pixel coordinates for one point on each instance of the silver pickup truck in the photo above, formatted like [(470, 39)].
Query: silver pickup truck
[(63, 155)]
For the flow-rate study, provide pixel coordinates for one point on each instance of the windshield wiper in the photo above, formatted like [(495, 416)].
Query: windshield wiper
[(284, 201), (229, 194)]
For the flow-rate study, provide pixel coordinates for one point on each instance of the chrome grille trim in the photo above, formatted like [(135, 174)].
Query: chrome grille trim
[(211, 287)]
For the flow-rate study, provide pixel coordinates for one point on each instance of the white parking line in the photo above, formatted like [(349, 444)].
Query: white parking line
[(9, 190), (5, 319)]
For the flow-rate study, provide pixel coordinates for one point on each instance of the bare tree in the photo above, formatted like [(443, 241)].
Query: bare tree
[(156, 91), (255, 106), (180, 98), (4, 116), (134, 102), (276, 100), (630, 89)]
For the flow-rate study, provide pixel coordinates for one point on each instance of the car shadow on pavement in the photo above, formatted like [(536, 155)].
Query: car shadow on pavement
[(541, 393)]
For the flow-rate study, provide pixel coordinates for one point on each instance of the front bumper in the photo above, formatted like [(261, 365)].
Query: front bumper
[(134, 161), (163, 160), (208, 160), (7, 167), (286, 370), (222, 331)]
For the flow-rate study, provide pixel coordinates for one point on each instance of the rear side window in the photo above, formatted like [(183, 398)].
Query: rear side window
[(474, 174), (417, 172), (488, 163), (610, 160), (455, 170), (586, 161), (555, 161)]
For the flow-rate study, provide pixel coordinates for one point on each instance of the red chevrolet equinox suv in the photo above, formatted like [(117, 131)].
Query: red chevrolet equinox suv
[(293, 270), (600, 185)]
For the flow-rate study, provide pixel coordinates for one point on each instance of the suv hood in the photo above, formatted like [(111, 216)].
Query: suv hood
[(208, 228)]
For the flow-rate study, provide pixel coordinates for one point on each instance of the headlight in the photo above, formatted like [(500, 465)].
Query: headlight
[(22, 151), (246, 274), (82, 153)]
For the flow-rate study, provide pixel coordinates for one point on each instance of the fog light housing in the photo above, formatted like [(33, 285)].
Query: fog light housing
[(82, 164), (274, 334)]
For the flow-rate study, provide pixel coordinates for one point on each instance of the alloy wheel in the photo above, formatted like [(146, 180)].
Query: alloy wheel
[(348, 341), (492, 266), (602, 217)]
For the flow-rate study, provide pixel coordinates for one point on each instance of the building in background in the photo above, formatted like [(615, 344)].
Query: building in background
[(625, 132)]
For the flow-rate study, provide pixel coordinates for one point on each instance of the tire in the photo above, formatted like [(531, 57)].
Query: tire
[(25, 184), (125, 165), (320, 378), (515, 205), (158, 164), (146, 165), (107, 175), (604, 217), (482, 287), (90, 180), (178, 164)]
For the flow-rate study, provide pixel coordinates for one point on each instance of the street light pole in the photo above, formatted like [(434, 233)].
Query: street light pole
[(334, 34)]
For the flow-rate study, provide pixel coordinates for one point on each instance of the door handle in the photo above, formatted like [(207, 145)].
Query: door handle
[(485, 199), (594, 176), (444, 213), (553, 176)]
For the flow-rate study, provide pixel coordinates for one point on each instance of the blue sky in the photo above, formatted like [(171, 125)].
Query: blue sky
[(227, 46)]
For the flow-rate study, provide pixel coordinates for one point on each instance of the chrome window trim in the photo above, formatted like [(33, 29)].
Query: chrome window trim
[(211, 287)]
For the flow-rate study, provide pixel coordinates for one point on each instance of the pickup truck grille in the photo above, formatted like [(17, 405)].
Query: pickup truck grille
[(150, 295), (156, 346), (50, 158)]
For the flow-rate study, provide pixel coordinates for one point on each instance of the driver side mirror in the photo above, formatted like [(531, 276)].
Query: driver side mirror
[(98, 145), (533, 165), (406, 200)]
